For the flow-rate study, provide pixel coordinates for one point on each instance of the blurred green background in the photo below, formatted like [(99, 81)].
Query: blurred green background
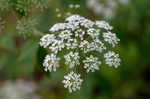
[(21, 57)]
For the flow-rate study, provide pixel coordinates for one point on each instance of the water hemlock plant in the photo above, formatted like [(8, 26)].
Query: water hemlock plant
[(79, 44)]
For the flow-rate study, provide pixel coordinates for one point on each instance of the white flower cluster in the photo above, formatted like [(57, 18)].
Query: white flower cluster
[(91, 63), (51, 62), (112, 59), (105, 8), (75, 41), (72, 81), (111, 38), (72, 59), (104, 24)]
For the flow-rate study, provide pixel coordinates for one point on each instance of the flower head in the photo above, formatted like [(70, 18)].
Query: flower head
[(76, 42), (46, 40), (57, 27), (51, 62), (111, 38), (72, 59), (112, 59), (104, 24), (72, 81), (91, 63)]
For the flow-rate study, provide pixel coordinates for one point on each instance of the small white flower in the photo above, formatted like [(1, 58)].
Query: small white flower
[(80, 34), (91, 63), (72, 59), (58, 27), (87, 23), (103, 24), (71, 44), (112, 59), (72, 81), (65, 35), (56, 46), (77, 19), (94, 33), (46, 40), (111, 38), (51, 62), (98, 46), (74, 18), (86, 46)]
